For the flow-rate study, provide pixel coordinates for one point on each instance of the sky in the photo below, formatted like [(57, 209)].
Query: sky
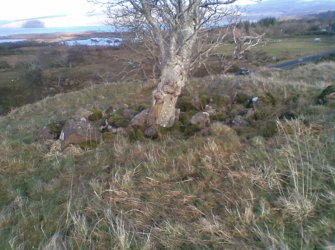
[(55, 13), (59, 13), (62, 12)]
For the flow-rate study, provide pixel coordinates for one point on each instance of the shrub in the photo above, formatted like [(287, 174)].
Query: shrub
[(76, 55), (52, 59), (268, 21), (4, 65), (31, 72)]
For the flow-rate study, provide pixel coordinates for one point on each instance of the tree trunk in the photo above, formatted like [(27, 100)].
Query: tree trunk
[(173, 79)]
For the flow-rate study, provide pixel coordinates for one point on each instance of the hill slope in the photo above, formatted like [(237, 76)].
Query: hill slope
[(235, 188), (287, 8)]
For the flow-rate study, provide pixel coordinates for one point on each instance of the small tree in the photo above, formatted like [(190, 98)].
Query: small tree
[(268, 21), (31, 72), (182, 32)]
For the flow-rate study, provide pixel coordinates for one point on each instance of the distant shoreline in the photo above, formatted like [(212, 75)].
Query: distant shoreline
[(51, 35), (4, 31)]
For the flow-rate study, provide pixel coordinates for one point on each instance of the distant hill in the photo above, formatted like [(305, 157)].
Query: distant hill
[(33, 24), (287, 8), (327, 16)]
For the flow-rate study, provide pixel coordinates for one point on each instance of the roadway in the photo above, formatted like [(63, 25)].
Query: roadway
[(300, 61)]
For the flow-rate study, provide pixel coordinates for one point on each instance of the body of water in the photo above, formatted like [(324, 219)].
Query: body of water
[(95, 41), (11, 40), (18, 31), (92, 41)]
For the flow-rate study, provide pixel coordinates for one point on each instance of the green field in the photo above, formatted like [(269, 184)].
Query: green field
[(290, 48), (284, 48)]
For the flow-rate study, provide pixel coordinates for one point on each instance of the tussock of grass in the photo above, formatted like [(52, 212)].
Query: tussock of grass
[(221, 191)]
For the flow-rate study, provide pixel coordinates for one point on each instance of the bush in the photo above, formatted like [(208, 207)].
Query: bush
[(268, 21), (31, 72), (52, 59), (76, 55), (4, 65)]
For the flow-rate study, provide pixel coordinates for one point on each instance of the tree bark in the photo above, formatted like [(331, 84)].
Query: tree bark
[(173, 79)]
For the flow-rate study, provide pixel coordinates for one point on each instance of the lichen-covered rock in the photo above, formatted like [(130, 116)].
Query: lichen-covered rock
[(118, 120), (210, 110), (140, 127), (200, 119), (239, 121), (120, 117), (151, 132), (52, 130), (140, 120), (79, 131), (128, 113), (194, 124)]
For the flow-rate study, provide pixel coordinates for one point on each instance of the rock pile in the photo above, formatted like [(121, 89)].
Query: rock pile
[(248, 115)]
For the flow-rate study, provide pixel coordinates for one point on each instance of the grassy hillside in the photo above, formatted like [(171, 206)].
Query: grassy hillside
[(290, 47), (293, 47), (235, 188)]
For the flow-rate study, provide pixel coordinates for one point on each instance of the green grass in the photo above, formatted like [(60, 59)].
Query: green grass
[(290, 48), (221, 191), (63, 69), (284, 48)]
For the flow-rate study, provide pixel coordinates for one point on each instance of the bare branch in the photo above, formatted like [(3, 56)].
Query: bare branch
[(211, 3), (177, 36)]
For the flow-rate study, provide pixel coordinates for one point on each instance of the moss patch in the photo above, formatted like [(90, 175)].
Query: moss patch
[(95, 116), (270, 129), (136, 134), (322, 98), (89, 145), (116, 119)]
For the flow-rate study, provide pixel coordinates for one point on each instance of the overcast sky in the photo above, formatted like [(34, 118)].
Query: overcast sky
[(69, 12), (72, 12)]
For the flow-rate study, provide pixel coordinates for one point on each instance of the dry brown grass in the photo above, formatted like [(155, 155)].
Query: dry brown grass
[(221, 191)]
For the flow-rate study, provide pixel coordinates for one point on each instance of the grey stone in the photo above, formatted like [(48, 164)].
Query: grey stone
[(140, 120), (239, 121), (200, 119), (77, 131)]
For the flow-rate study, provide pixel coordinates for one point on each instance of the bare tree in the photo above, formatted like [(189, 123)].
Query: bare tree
[(183, 32)]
